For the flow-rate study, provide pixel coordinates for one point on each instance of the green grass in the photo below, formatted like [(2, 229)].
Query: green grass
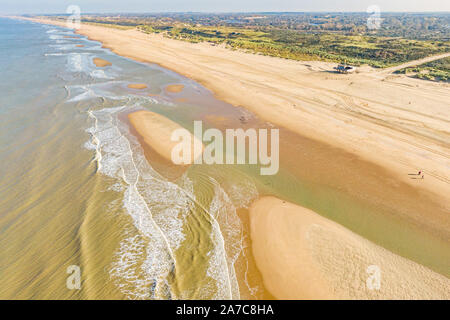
[(371, 50)]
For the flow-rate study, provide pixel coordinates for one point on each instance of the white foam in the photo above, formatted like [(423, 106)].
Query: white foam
[(100, 74), (57, 54), (105, 90), (55, 37), (84, 95), (157, 208), (226, 224), (64, 47), (82, 63)]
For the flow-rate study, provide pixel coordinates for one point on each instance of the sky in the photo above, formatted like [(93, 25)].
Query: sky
[(106, 6)]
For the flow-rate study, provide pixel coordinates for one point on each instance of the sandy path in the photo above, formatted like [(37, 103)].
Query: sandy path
[(302, 255), (415, 63)]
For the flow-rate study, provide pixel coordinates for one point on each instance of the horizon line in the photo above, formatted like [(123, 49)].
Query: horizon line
[(217, 12)]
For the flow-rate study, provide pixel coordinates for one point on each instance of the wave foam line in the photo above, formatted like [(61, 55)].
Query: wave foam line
[(146, 224), (140, 196)]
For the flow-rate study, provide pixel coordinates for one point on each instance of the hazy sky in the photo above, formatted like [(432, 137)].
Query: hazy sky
[(59, 6)]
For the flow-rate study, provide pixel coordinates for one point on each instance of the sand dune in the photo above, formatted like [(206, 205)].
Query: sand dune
[(156, 130), (302, 255)]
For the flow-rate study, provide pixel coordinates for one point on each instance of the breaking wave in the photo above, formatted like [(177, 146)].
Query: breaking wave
[(144, 264)]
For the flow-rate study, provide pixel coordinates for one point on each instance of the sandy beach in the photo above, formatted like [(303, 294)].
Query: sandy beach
[(302, 255), (394, 121)]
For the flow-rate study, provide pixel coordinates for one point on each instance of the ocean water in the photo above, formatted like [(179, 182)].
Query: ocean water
[(78, 189)]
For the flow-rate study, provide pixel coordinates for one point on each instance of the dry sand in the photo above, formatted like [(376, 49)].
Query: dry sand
[(99, 62), (174, 88), (156, 130), (303, 255), (138, 86)]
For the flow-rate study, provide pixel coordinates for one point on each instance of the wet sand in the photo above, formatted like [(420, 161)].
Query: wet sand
[(302, 255)]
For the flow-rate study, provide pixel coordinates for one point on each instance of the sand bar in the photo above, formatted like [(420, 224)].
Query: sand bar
[(138, 86), (156, 130), (303, 255), (101, 62), (174, 88)]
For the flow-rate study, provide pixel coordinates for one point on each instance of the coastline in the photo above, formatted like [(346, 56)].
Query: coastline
[(366, 115), (379, 117), (439, 197)]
